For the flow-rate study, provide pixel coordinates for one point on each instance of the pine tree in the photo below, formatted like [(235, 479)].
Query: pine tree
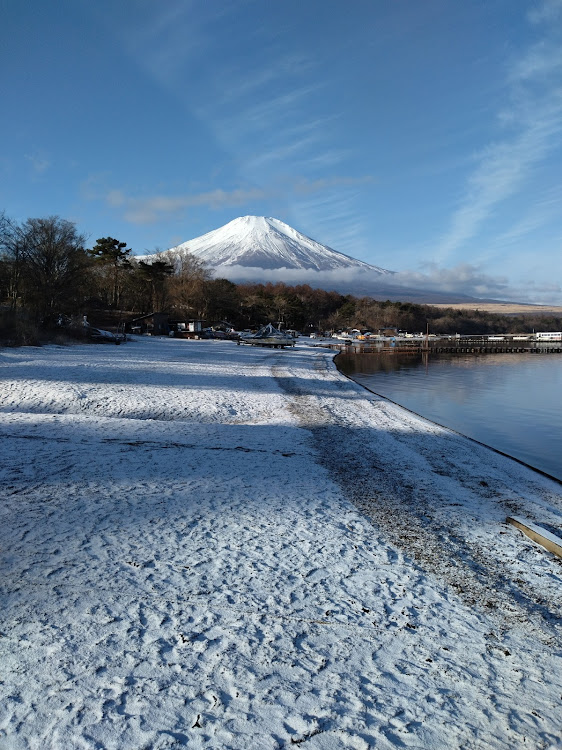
[(114, 258)]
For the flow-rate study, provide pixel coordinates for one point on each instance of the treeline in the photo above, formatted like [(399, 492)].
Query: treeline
[(46, 269), (47, 273)]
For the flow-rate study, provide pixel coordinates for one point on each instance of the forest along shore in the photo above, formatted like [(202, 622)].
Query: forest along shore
[(226, 546)]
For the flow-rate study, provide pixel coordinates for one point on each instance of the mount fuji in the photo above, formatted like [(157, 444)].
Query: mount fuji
[(269, 244), (260, 249)]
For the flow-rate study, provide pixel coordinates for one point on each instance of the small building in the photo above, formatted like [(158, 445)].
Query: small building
[(192, 326), (187, 329), (152, 324), (548, 335)]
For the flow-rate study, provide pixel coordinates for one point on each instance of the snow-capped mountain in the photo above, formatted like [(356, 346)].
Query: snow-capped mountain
[(260, 242), (260, 249)]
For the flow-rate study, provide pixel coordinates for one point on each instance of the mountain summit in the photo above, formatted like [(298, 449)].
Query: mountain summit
[(260, 249), (260, 242)]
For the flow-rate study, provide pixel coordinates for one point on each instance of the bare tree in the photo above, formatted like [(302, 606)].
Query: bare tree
[(188, 284), (10, 260), (52, 265)]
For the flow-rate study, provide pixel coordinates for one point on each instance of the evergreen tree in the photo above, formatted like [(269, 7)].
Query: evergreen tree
[(113, 259), (153, 278)]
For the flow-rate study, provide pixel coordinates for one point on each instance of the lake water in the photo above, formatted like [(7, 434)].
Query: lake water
[(511, 402)]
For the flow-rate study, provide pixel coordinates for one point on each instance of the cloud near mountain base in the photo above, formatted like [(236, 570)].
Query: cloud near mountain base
[(435, 285), (468, 279)]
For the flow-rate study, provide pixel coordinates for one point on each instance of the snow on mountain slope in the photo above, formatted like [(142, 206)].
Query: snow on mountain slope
[(260, 249), (260, 242)]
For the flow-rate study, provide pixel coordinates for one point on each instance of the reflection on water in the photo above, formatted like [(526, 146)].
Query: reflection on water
[(512, 402)]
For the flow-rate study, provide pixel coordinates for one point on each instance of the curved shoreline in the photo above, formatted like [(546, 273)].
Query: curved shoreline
[(451, 429)]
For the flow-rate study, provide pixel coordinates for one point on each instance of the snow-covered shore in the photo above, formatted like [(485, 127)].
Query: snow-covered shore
[(214, 546)]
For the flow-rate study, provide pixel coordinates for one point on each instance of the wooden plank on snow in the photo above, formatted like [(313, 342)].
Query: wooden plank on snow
[(543, 537)]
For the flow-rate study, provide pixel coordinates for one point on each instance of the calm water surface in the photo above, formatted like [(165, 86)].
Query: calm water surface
[(512, 402)]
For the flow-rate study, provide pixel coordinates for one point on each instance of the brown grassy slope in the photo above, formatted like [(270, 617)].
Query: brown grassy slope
[(505, 308)]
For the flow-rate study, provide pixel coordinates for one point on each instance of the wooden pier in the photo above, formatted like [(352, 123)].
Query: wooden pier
[(495, 349), (446, 347)]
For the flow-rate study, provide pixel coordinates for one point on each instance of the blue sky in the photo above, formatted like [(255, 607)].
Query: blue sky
[(423, 136)]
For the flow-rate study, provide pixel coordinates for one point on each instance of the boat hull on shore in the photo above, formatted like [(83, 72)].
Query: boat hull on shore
[(268, 336)]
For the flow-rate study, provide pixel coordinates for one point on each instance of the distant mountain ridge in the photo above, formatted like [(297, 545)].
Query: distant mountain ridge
[(264, 242)]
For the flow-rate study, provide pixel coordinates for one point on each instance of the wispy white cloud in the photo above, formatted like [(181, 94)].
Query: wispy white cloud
[(165, 39), (304, 186), (280, 152), (471, 280), (464, 280), (176, 43), (548, 10), (539, 213), (39, 162), (541, 60), (277, 147), (327, 158), (270, 119), (320, 199), (333, 279), (270, 131), (239, 83), (148, 210), (531, 125), (502, 170), (273, 118), (271, 110), (331, 213)]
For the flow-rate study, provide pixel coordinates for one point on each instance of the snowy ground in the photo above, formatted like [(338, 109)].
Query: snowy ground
[(227, 547)]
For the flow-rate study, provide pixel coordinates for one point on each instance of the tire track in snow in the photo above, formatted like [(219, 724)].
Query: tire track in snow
[(394, 478)]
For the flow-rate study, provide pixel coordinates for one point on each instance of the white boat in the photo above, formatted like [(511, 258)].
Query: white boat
[(268, 336)]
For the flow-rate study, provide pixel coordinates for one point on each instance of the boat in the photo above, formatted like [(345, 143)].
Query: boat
[(268, 336)]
